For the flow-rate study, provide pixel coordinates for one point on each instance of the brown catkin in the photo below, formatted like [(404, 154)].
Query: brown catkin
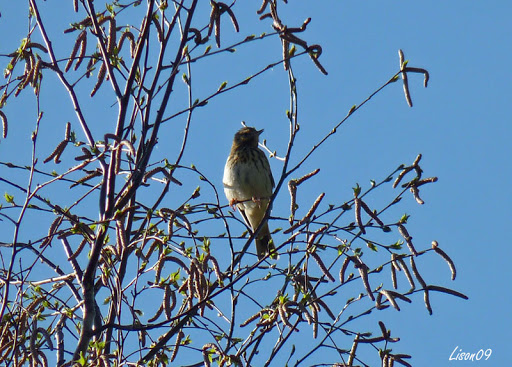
[(3, 117), (371, 213), (286, 54), (363, 272), (250, 319), (67, 133), (284, 316), (95, 173), (127, 35), (169, 301), (157, 314), (112, 33), (78, 250), (417, 273), (406, 272), (314, 235), (52, 230), (74, 51), (446, 258), (308, 214), (217, 25), (179, 337), (83, 48), (401, 176), (216, 268), (393, 277), (408, 239), (390, 298), (292, 188), (306, 177), (101, 78), (357, 204), (35, 73), (416, 193), (343, 269), (322, 266), (314, 315), (426, 298)]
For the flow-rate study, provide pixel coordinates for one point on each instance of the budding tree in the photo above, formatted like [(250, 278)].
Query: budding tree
[(117, 250)]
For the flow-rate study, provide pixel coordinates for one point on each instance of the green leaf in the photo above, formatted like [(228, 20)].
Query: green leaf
[(397, 245), (185, 79), (404, 218), (9, 198), (174, 277), (222, 86), (219, 337), (82, 361), (394, 79), (206, 242), (196, 192), (357, 190), (341, 249), (372, 246), (199, 104), (292, 51)]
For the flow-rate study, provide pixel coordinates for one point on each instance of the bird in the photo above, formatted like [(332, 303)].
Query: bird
[(248, 185)]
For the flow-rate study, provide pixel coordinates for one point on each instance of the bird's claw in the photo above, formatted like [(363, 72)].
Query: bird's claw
[(257, 201), (232, 204)]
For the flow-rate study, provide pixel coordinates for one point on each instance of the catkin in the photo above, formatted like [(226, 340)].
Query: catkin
[(3, 117), (446, 258)]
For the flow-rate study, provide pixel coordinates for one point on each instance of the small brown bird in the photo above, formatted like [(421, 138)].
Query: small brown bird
[(248, 184)]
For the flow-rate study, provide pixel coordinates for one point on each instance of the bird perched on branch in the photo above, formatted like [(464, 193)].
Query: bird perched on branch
[(248, 184)]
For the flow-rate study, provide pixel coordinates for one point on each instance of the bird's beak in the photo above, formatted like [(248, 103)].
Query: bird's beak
[(260, 131)]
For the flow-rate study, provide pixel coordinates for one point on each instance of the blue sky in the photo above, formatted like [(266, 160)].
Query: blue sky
[(461, 124)]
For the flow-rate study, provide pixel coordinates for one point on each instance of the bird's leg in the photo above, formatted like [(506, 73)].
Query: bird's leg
[(232, 204), (257, 201)]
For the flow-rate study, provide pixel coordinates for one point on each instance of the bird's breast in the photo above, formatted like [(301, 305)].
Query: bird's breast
[(247, 178)]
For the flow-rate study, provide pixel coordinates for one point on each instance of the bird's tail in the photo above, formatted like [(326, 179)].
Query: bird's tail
[(265, 244)]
